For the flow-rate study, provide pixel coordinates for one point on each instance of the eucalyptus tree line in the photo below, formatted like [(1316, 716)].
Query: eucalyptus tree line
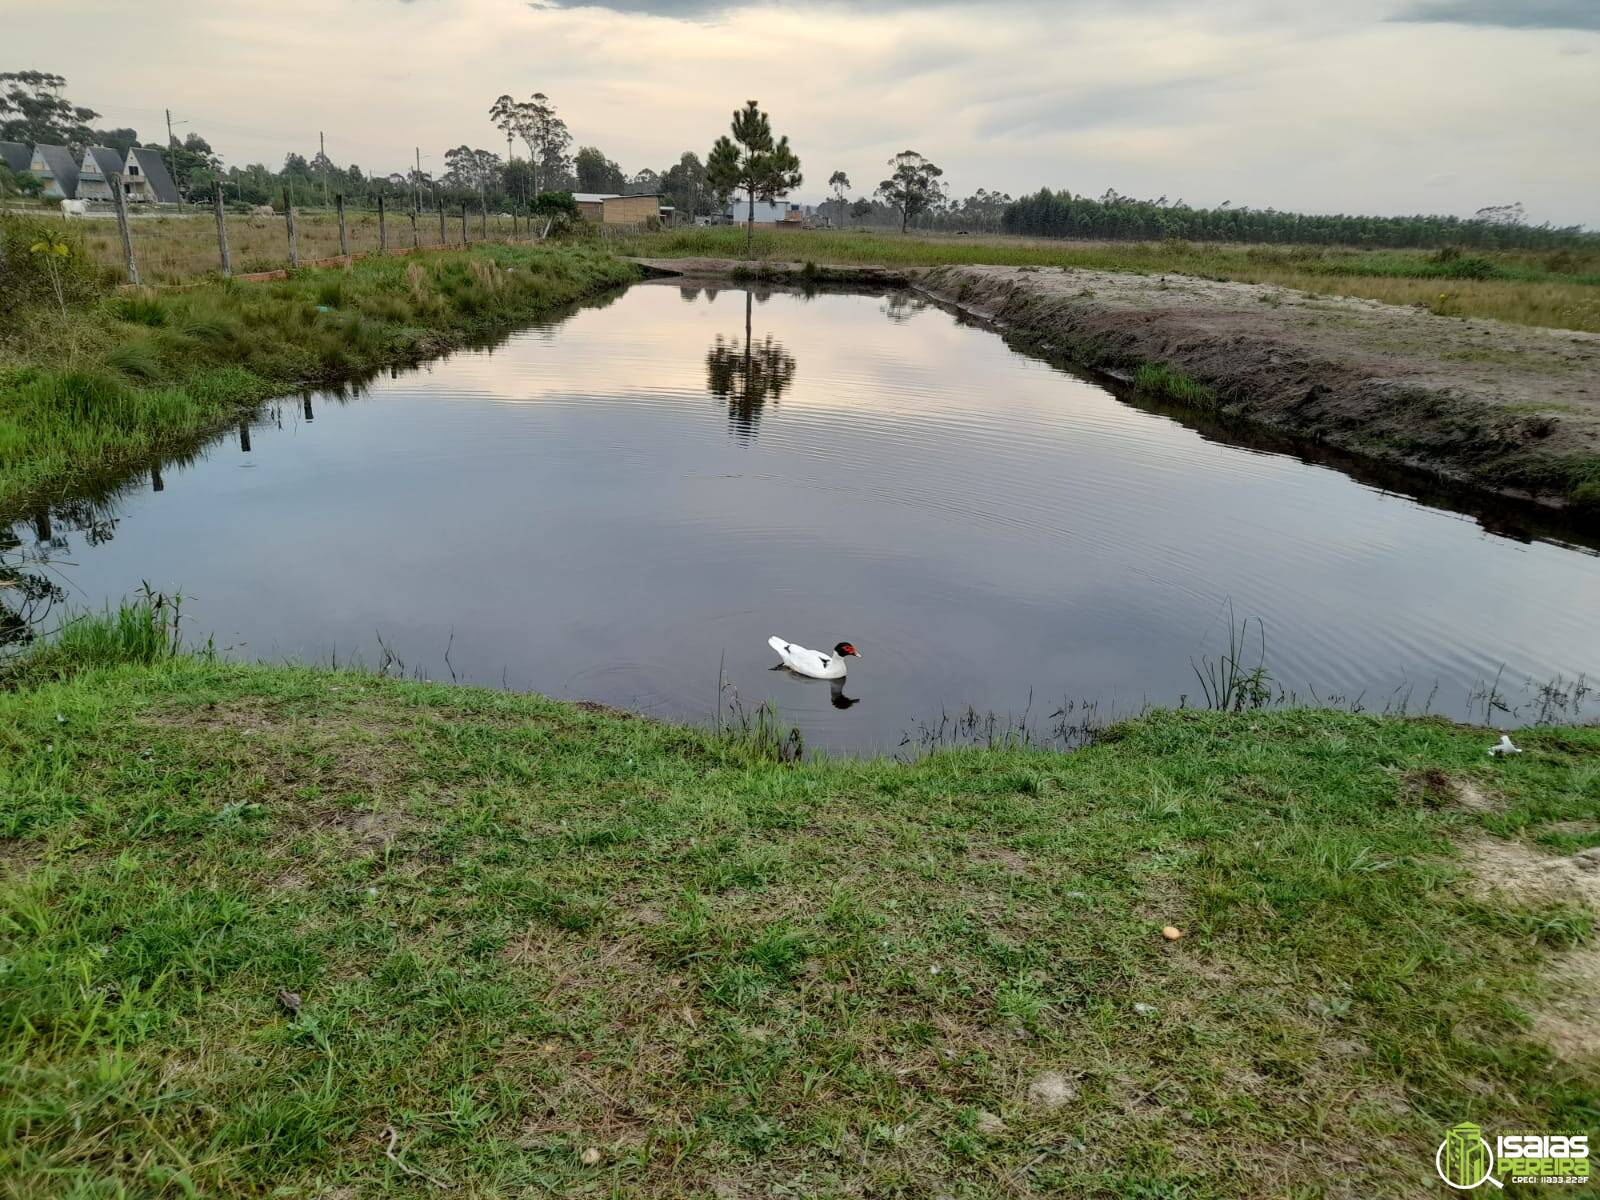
[(543, 133), (1049, 213)]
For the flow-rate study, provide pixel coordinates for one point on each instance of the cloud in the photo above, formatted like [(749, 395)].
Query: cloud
[(694, 9), (1312, 107), (683, 9), (1507, 14)]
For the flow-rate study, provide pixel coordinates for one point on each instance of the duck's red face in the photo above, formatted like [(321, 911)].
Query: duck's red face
[(845, 648)]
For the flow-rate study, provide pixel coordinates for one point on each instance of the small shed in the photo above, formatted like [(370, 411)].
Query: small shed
[(57, 170), (630, 210), (592, 205), (100, 165)]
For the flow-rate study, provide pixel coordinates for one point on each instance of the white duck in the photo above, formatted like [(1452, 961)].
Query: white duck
[(813, 662)]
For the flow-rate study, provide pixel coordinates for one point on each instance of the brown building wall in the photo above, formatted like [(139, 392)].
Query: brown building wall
[(593, 210), (632, 210)]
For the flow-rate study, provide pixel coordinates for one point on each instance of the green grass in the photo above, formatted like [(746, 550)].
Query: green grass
[(516, 930), (1560, 289), (125, 378), (1160, 382)]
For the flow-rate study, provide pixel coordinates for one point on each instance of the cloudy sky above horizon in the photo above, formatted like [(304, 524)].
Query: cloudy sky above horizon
[(1380, 106)]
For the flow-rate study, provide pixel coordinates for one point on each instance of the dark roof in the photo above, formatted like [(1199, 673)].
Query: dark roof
[(62, 165), (154, 168), (108, 160), (16, 156)]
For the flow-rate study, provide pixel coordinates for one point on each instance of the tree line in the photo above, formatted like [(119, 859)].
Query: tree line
[(752, 164), (1061, 214), (539, 159)]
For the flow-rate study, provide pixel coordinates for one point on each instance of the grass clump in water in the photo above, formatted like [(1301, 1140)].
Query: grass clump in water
[(1159, 382)]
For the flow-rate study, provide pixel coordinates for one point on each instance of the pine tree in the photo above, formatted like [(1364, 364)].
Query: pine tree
[(752, 162)]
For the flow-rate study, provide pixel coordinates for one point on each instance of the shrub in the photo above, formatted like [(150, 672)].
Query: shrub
[(140, 308), (25, 279), (137, 359), (1469, 266)]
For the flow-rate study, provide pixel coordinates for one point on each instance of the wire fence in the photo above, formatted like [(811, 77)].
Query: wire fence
[(181, 246)]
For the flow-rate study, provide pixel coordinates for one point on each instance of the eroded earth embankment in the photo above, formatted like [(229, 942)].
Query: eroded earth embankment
[(1504, 408)]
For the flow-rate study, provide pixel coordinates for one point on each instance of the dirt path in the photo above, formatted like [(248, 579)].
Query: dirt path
[(1504, 408)]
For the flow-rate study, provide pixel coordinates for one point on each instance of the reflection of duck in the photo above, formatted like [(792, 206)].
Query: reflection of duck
[(814, 663), (835, 684)]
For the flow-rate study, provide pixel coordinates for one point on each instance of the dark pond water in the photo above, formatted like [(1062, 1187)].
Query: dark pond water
[(607, 507)]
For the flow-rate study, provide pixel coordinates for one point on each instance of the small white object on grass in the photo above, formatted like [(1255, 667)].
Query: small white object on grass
[(989, 1125), (1504, 746)]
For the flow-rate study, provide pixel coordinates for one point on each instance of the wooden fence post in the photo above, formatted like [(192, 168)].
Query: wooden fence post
[(288, 217), (383, 230), (122, 226), (442, 238), (416, 241), (222, 236), (463, 224), (483, 218), (344, 239)]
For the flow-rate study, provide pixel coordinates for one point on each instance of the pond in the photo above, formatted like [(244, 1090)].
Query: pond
[(626, 502)]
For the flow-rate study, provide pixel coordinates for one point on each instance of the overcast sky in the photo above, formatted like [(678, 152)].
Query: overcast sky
[(1378, 106)]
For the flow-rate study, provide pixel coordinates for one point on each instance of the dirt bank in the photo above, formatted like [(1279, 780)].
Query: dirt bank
[(1504, 408), (766, 271)]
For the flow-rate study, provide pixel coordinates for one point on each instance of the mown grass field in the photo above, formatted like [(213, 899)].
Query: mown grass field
[(1558, 289), (99, 389), (290, 932)]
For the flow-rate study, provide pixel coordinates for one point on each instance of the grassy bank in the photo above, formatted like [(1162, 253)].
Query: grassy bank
[(304, 933), (93, 392), (1558, 289)]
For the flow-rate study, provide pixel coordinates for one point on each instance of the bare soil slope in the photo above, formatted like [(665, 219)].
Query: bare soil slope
[(1506, 408)]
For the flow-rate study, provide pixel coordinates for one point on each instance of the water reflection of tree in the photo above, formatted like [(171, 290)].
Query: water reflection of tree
[(748, 376), (901, 306), (29, 550), (27, 592)]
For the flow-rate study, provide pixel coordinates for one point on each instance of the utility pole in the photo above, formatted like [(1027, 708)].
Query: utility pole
[(322, 153), (416, 182), (172, 142)]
